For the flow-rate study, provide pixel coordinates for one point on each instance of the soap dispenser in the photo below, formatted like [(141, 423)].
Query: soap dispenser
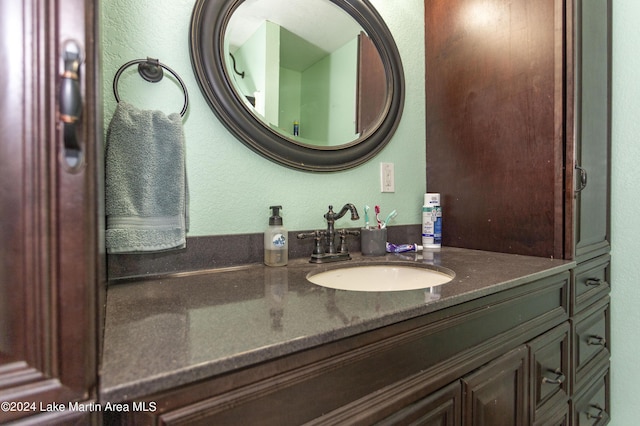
[(276, 246)]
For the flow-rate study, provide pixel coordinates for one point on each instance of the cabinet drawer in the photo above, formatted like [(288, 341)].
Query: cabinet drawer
[(550, 368), (590, 341), (558, 416), (591, 407), (441, 408), (590, 283)]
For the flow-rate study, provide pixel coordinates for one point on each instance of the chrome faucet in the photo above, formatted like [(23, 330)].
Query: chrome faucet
[(328, 252)]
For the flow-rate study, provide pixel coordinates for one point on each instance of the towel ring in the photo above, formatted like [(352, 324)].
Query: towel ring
[(151, 70)]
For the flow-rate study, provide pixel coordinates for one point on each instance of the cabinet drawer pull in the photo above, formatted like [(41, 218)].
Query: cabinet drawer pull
[(70, 101), (596, 341), (593, 282), (596, 416), (583, 179), (560, 378)]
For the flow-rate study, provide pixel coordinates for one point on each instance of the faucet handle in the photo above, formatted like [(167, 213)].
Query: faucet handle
[(342, 233), (317, 238), (303, 235)]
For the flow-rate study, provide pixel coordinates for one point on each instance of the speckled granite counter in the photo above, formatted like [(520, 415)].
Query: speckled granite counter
[(164, 332)]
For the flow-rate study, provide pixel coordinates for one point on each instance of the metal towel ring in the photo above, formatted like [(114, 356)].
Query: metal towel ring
[(151, 70)]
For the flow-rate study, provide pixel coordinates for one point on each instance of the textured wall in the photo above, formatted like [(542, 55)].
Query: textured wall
[(625, 279), (231, 188)]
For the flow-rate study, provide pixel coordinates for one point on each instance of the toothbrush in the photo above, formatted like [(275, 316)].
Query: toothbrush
[(389, 217), (377, 209), (366, 217)]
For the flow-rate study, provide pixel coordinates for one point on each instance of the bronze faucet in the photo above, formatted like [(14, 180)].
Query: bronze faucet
[(329, 253)]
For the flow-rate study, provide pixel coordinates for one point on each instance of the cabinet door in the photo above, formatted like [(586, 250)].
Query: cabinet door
[(48, 320), (497, 393), (494, 121), (592, 126), (550, 355)]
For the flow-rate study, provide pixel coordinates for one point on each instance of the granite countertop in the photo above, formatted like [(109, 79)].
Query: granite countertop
[(173, 330)]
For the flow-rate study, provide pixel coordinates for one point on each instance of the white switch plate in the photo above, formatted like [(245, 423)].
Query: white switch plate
[(387, 178)]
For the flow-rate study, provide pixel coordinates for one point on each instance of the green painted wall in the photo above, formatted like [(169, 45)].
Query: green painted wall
[(625, 207), (231, 187), (328, 101), (272, 74), (343, 71), (259, 59), (290, 85), (250, 59), (314, 104)]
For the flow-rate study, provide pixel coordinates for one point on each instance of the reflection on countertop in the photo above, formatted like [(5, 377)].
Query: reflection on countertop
[(173, 330)]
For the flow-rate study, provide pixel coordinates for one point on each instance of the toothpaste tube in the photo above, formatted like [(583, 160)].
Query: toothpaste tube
[(401, 248)]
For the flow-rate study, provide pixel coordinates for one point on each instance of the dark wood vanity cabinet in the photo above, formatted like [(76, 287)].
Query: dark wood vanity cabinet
[(528, 385), (518, 144), (480, 362), (49, 277), (494, 394), (591, 343), (589, 149), (518, 123)]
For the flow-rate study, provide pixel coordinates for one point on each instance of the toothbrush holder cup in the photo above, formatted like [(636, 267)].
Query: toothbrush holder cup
[(373, 241)]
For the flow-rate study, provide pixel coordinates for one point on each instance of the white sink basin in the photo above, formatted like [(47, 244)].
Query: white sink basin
[(381, 277)]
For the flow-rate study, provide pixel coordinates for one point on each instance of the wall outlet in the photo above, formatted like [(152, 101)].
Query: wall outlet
[(387, 179)]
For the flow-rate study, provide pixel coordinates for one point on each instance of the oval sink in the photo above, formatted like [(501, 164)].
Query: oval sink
[(381, 277)]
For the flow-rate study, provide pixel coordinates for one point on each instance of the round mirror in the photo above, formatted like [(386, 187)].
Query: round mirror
[(316, 87)]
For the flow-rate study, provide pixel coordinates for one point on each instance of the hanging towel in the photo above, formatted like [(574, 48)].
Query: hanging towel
[(146, 193)]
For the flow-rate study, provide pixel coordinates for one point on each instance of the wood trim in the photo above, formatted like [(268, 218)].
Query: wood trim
[(76, 206), (26, 234), (560, 137), (570, 63)]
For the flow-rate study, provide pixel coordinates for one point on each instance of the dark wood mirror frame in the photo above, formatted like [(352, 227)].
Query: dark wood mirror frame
[(208, 23)]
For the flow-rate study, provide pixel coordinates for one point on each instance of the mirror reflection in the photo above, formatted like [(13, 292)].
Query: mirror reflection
[(312, 84)]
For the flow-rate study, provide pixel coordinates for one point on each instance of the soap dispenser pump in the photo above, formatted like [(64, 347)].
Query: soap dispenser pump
[(276, 246)]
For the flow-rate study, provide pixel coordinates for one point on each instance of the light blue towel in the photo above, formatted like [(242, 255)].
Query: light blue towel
[(146, 189)]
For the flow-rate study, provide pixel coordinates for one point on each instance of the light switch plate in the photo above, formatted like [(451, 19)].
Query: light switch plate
[(387, 178)]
